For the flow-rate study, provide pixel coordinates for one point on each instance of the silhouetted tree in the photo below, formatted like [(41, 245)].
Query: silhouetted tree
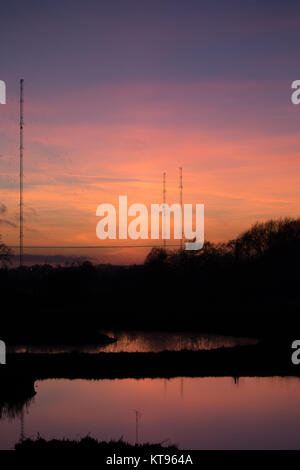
[(262, 237), (157, 256), (5, 253)]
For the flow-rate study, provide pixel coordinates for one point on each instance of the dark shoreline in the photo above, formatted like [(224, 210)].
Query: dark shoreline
[(262, 359), (75, 339)]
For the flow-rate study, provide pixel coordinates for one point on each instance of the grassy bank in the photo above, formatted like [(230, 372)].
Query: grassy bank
[(88, 443)]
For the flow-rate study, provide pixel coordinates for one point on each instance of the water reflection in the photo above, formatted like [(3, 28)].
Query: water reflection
[(12, 409), (141, 341), (195, 413)]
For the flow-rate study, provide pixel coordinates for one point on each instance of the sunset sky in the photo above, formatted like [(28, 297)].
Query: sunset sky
[(116, 92)]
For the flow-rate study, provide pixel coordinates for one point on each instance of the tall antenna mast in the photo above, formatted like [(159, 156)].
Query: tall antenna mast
[(180, 192), (164, 210), (21, 171)]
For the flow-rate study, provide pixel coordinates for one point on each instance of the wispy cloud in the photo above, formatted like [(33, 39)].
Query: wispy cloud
[(7, 222), (3, 208)]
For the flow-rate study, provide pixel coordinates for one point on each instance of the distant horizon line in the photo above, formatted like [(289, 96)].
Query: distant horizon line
[(94, 246)]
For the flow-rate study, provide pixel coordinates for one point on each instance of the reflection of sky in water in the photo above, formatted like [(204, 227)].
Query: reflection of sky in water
[(197, 413), (141, 341)]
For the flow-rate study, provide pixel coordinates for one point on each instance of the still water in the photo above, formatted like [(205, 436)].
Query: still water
[(141, 341), (194, 413)]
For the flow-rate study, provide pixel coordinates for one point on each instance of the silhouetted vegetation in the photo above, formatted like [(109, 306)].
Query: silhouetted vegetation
[(13, 408), (5, 253), (249, 285), (89, 443), (16, 391)]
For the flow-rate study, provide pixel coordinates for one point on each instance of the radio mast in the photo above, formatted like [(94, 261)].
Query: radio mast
[(21, 171), (180, 193), (164, 210)]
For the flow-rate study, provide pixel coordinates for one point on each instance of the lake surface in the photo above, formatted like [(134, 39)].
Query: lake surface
[(195, 413), (141, 341)]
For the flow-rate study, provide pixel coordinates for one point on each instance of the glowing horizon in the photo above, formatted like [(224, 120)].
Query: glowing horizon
[(107, 121)]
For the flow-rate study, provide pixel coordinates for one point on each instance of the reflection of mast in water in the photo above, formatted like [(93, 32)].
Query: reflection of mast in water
[(22, 436), (181, 388), (138, 416), (236, 380)]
